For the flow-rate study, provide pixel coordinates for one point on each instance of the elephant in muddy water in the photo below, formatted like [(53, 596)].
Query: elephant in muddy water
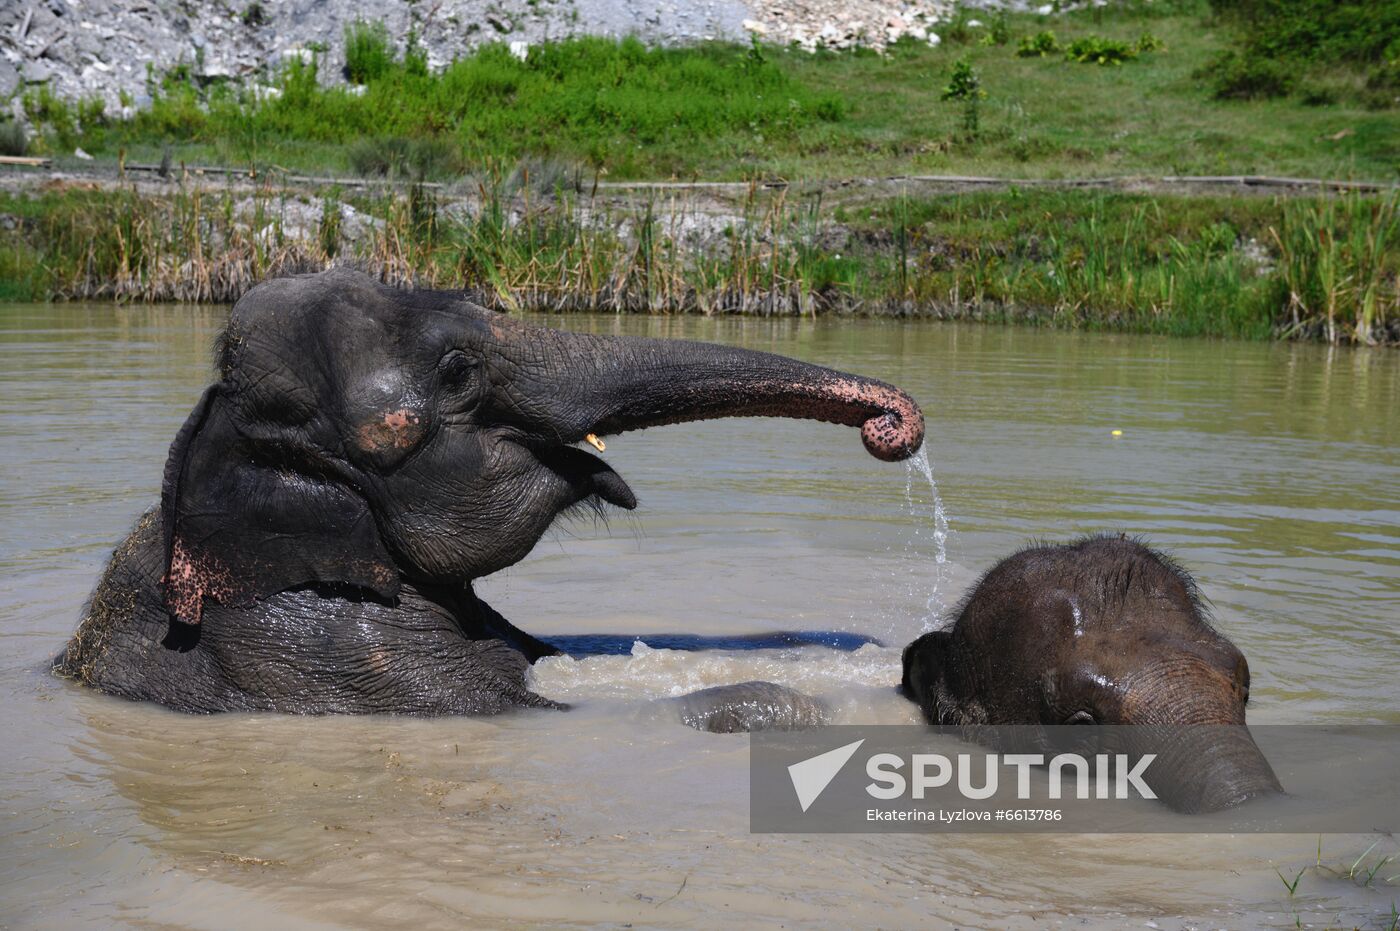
[(1100, 631), (364, 455)]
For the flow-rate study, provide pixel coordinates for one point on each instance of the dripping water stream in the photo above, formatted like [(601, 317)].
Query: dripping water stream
[(930, 525)]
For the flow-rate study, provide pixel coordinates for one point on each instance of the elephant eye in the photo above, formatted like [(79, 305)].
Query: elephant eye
[(1080, 717), (456, 368)]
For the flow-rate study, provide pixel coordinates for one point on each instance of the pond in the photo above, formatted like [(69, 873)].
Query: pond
[(1271, 471)]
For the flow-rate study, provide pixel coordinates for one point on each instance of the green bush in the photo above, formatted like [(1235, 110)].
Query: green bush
[(13, 139), (53, 116), (1236, 76), (1386, 75), (1327, 31), (1147, 42), (1040, 45), (1279, 41), (1096, 50), (397, 157), (999, 33), (957, 31), (964, 83), (369, 54)]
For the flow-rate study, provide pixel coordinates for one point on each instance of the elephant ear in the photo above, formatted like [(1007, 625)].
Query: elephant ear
[(924, 662), (238, 527)]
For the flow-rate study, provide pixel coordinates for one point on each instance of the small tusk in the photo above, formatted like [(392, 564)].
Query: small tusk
[(596, 443)]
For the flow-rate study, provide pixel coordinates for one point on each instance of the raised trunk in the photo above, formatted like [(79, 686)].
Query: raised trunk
[(574, 385)]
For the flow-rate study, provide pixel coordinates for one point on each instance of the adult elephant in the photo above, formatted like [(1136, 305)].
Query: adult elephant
[(365, 454), (1101, 631)]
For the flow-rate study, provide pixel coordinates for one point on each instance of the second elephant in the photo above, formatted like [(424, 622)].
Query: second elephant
[(1101, 631)]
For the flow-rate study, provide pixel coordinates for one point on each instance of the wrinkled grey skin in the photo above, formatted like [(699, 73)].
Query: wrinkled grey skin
[(1100, 631), (365, 454), (751, 706)]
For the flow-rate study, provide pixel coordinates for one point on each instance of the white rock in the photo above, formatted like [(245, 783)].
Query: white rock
[(934, 39), (304, 55), (354, 90), (520, 49), (79, 153), (754, 26), (974, 24)]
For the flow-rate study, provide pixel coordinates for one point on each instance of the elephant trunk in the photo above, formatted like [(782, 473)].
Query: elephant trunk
[(1205, 767), (573, 385), (1192, 719)]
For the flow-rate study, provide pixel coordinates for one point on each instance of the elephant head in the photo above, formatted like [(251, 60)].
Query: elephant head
[(362, 436), (1101, 631)]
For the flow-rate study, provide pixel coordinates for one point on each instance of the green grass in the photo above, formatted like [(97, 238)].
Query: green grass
[(1254, 267), (732, 112)]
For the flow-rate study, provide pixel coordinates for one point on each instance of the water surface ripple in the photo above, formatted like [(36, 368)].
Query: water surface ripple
[(1271, 471)]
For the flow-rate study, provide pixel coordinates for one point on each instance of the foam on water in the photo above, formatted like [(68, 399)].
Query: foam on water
[(859, 685), (650, 673)]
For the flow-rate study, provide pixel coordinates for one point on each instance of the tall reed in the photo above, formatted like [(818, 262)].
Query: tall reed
[(1141, 263), (1338, 264)]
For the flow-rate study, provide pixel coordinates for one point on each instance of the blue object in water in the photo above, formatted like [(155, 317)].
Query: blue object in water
[(621, 644)]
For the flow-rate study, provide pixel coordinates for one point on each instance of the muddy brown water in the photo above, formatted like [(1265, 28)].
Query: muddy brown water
[(1272, 471)]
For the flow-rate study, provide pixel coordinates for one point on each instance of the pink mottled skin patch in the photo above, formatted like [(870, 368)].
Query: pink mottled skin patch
[(399, 429), (190, 579), (894, 427)]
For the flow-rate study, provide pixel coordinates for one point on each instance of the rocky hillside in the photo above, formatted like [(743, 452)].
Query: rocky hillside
[(107, 48)]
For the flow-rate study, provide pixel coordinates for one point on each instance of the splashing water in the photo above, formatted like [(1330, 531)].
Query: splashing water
[(934, 516)]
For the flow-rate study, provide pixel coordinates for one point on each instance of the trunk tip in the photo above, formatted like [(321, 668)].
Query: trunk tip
[(896, 434)]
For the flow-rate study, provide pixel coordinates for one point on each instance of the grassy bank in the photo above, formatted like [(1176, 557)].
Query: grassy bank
[(1043, 106), (1211, 266)]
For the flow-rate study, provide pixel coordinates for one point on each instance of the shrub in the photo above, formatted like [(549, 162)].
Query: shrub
[(1279, 41), (964, 83), (999, 33), (958, 32), (368, 52), (1386, 75), (1325, 31), (1147, 42), (1236, 76), (92, 112), (397, 157), (51, 113), (13, 139), (1096, 50), (1040, 45)]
